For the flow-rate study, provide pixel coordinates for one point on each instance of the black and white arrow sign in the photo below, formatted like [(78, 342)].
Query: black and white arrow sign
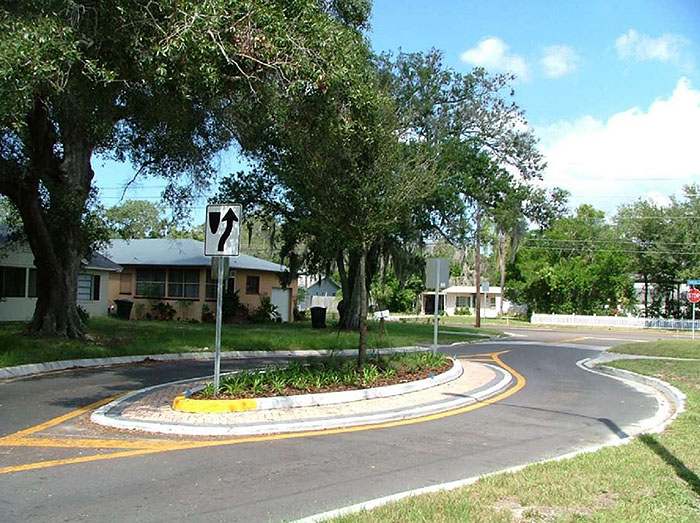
[(222, 230)]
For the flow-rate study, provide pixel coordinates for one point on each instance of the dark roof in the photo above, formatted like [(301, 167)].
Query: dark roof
[(178, 252), (101, 262)]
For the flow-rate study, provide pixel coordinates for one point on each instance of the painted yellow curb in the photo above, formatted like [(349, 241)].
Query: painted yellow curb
[(213, 406)]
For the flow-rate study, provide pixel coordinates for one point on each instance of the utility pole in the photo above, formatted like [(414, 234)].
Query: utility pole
[(477, 272)]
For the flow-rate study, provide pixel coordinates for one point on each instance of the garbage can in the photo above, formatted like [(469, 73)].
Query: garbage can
[(318, 317), (124, 308)]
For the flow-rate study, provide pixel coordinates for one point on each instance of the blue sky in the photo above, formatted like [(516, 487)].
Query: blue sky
[(611, 88)]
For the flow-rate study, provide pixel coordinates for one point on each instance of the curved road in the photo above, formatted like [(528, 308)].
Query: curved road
[(560, 409)]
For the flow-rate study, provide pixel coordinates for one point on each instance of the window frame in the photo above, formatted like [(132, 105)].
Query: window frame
[(151, 281), (248, 287), (93, 289), (178, 277)]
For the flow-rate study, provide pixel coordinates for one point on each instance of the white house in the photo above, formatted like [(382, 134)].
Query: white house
[(464, 297), (18, 283)]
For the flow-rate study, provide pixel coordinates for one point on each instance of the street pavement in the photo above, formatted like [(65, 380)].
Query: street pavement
[(561, 408)]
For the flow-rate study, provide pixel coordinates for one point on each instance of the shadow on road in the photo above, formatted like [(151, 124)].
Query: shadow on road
[(679, 467)]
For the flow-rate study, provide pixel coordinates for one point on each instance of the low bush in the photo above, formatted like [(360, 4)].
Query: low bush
[(326, 374)]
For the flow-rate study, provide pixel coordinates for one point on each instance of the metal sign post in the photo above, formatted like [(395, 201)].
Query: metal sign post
[(437, 304), (221, 239), (219, 307)]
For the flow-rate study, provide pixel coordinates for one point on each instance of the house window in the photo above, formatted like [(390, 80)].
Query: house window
[(33, 284), (88, 287), (210, 291), (492, 302), (125, 283), (150, 282), (183, 283), (463, 301), (12, 281), (252, 285)]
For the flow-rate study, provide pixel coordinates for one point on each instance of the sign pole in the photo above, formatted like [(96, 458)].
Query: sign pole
[(219, 307), (437, 304), (693, 321)]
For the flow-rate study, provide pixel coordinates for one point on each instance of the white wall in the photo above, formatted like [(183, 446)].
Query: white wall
[(22, 309)]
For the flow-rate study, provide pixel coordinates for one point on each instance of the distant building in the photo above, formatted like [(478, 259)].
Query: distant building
[(176, 271), (321, 292), (463, 297)]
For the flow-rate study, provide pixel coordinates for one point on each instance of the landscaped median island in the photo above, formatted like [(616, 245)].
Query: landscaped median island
[(330, 377), (654, 478), (111, 337)]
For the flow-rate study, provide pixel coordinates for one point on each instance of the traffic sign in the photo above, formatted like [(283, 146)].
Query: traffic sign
[(693, 282), (694, 295), (222, 230)]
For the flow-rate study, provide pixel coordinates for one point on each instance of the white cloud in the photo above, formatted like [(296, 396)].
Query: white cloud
[(558, 60), (666, 48), (633, 154), (492, 54)]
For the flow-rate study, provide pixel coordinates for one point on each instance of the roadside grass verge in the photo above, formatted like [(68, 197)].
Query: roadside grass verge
[(113, 337), (654, 478), (668, 348)]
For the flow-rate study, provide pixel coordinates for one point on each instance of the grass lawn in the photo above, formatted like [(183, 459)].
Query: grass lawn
[(113, 337), (654, 478), (672, 348), (467, 320)]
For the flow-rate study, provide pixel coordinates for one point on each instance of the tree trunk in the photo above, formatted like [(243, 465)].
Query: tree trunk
[(646, 295), (502, 267), (361, 277), (477, 271), (53, 225)]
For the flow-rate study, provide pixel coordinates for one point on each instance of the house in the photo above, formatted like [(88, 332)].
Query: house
[(322, 293), (18, 283), (177, 272), (463, 297)]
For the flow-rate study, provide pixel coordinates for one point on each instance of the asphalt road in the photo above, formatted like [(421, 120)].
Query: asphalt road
[(561, 408)]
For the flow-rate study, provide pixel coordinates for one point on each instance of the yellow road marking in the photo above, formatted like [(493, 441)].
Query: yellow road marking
[(153, 446), (60, 419), (572, 340)]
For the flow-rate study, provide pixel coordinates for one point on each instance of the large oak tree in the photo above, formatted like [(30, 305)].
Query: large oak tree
[(162, 84)]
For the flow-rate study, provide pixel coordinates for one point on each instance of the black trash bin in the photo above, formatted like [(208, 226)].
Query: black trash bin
[(318, 317), (124, 308)]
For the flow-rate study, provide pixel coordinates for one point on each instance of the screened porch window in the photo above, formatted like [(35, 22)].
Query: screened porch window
[(150, 282), (183, 283)]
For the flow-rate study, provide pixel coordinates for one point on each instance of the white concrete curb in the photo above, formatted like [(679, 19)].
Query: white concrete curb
[(53, 366), (102, 416), (675, 395)]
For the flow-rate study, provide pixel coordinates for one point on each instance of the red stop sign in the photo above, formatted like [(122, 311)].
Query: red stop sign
[(694, 295)]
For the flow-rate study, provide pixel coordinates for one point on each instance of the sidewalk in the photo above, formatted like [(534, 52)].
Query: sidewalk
[(151, 409)]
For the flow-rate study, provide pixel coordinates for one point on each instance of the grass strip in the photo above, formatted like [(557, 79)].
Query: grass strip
[(112, 337), (654, 478), (666, 348)]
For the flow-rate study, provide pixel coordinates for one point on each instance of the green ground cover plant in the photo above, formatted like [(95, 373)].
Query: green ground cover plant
[(654, 478), (112, 337), (669, 348), (328, 375)]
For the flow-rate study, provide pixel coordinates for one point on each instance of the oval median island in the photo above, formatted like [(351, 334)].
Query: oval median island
[(326, 382)]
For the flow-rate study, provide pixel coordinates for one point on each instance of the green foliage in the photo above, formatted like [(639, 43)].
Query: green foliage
[(83, 314), (564, 269), (396, 295), (266, 311), (136, 219), (317, 374), (230, 303), (207, 314), (163, 311)]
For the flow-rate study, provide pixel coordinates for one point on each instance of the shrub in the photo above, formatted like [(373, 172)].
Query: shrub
[(83, 314), (207, 314), (163, 311), (266, 311)]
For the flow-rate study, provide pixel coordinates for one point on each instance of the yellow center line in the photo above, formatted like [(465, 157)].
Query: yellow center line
[(142, 446)]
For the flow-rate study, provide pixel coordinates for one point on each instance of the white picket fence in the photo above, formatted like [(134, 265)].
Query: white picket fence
[(614, 321)]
